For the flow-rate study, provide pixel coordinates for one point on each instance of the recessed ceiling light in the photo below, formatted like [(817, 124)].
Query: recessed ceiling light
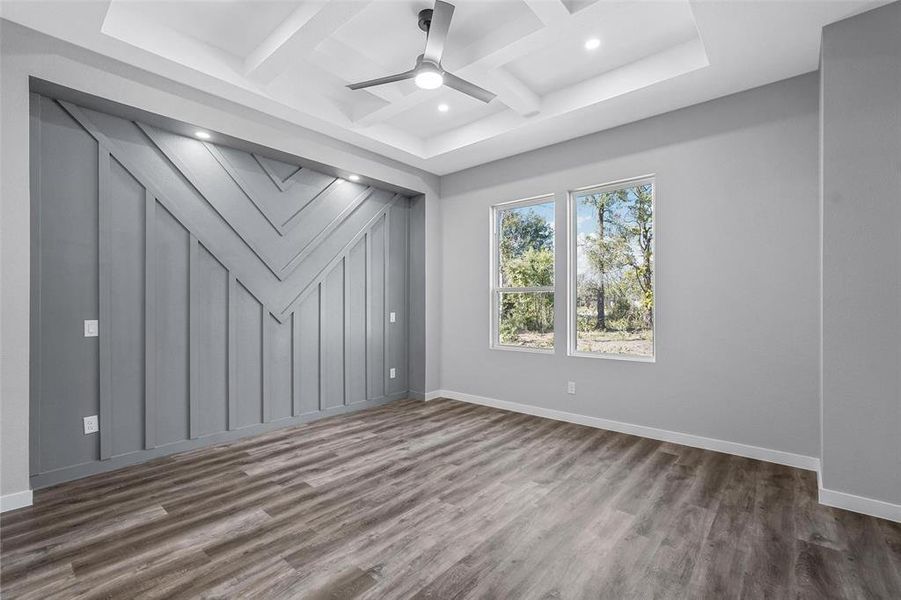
[(443, 108), (592, 44), (202, 135), (354, 178)]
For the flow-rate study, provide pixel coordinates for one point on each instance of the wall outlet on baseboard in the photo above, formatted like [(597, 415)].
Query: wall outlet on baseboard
[(392, 317), (392, 373), (571, 387), (91, 424)]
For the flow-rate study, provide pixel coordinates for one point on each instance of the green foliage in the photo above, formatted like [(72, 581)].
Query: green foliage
[(619, 291), (526, 260), (615, 297), (531, 269), (531, 311), (526, 312), (521, 230)]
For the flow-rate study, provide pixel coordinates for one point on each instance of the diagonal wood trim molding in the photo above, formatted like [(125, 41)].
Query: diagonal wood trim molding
[(281, 314), (282, 184)]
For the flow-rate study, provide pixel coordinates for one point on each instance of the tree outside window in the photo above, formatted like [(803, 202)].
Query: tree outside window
[(524, 277), (614, 271)]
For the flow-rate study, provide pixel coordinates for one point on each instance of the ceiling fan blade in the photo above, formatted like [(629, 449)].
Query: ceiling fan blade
[(382, 80), (441, 20), (470, 89)]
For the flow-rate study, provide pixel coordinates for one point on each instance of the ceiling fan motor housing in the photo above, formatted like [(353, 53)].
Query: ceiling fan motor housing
[(425, 19)]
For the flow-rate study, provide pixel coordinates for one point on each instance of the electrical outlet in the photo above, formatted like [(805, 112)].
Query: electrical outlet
[(392, 317), (91, 424), (91, 328), (392, 373), (571, 387)]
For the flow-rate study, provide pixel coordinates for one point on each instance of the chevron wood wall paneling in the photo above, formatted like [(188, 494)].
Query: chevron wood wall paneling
[(235, 292)]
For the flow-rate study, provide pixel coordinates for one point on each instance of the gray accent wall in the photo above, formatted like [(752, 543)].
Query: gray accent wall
[(861, 245), (235, 292)]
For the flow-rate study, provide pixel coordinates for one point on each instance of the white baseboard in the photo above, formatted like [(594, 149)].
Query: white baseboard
[(433, 395), (800, 461), (16, 500), (867, 506)]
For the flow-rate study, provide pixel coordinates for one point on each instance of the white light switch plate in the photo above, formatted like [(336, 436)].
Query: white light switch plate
[(571, 387), (392, 373), (392, 317), (91, 424), (91, 328)]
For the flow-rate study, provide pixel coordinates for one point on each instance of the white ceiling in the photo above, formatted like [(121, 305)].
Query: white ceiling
[(293, 58)]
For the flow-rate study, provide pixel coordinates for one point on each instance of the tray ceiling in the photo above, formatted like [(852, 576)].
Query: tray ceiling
[(294, 59)]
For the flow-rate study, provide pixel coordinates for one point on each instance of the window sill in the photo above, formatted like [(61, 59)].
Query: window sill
[(522, 349), (626, 357)]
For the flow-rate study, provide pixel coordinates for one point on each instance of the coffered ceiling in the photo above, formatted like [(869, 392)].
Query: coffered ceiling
[(293, 59)]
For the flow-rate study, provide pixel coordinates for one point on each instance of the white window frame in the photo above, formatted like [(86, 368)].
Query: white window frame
[(572, 255), (494, 284)]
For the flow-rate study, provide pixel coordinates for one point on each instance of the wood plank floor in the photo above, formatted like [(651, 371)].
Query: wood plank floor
[(446, 500)]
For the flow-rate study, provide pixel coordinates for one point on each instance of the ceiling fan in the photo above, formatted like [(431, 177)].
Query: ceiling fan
[(428, 74)]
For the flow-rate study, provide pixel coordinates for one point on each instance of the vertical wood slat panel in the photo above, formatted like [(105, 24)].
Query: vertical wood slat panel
[(386, 308), (295, 362), (105, 271), (322, 355), (193, 335), (265, 371), (405, 318), (367, 303), (149, 322), (232, 352), (345, 300)]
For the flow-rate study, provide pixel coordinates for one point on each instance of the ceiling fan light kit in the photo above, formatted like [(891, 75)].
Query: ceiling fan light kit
[(428, 73), (428, 76)]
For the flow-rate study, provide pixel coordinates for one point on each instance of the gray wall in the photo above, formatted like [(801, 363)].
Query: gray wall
[(737, 263), (234, 292), (861, 211)]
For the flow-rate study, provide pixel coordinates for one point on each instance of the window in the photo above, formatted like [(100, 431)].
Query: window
[(612, 286), (522, 275)]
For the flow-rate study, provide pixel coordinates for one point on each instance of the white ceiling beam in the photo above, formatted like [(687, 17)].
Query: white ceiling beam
[(512, 92), (350, 65), (392, 109), (287, 28), (548, 11), (488, 54), (298, 35)]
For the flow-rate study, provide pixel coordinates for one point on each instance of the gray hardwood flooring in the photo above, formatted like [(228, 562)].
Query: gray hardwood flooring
[(445, 500)]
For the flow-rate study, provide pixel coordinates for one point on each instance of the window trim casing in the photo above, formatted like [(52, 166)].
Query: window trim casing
[(573, 269), (494, 287)]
